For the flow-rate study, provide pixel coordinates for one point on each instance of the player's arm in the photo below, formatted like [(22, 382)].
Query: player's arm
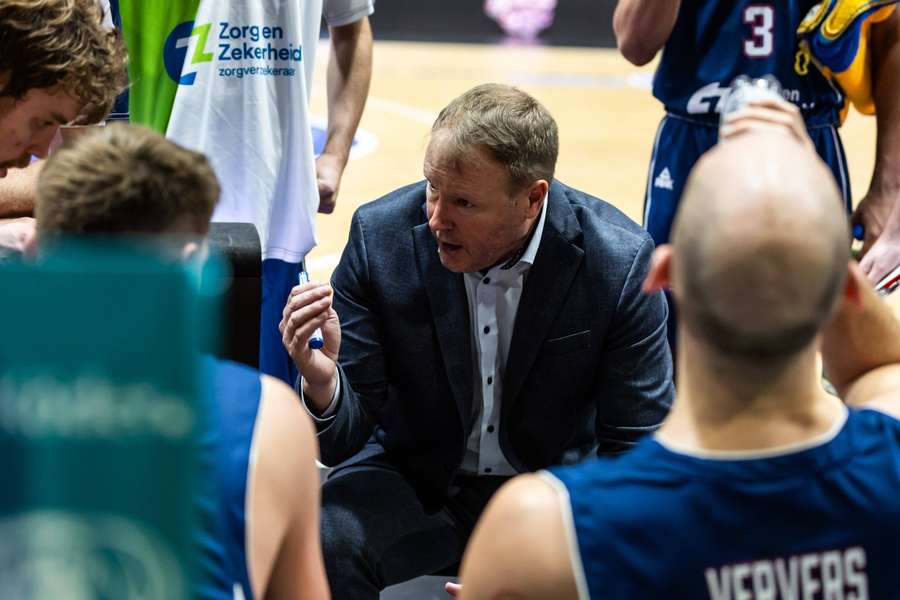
[(15, 235), (284, 553), (520, 549), (861, 348), (642, 27), (879, 211), (19, 188), (349, 75), (17, 191)]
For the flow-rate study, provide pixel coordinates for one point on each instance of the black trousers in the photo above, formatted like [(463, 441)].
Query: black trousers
[(376, 532)]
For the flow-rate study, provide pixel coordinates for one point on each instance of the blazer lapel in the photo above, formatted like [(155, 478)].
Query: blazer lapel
[(450, 311), (546, 288)]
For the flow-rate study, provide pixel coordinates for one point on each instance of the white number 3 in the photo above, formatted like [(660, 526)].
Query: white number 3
[(762, 18)]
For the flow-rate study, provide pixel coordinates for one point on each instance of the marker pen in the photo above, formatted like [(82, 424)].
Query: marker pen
[(889, 283), (316, 340)]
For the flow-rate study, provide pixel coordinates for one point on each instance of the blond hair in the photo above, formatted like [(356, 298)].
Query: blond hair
[(515, 129), (125, 179), (64, 44)]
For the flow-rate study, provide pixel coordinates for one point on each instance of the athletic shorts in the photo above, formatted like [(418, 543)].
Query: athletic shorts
[(680, 142)]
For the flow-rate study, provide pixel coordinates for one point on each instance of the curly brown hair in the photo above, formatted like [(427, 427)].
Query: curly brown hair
[(125, 179), (50, 43)]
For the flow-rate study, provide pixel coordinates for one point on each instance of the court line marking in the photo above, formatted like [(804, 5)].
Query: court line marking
[(404, 110)]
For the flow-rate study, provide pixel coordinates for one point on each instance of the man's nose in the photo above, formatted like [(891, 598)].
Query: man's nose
[(437, 216)]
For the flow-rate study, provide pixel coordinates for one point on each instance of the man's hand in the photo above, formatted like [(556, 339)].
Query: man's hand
[(881, 247), (308, 308), (329, 170), (767, 114), (454, 589), (15, 235)]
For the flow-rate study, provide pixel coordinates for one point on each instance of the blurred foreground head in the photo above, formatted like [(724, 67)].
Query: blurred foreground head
[(760, 248), (125, 179)]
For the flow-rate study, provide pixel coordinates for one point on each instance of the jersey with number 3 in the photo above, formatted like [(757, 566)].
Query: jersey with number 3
[(714, 41)]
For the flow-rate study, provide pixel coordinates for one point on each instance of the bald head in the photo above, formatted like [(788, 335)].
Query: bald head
[(761, 245)]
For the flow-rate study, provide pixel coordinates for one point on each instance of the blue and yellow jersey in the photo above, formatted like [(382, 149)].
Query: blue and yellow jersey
[(835, 33), (714, 41)]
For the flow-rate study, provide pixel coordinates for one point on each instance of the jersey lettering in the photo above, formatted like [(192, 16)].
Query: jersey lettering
[(831, 575), (707, 99), (762, 41)]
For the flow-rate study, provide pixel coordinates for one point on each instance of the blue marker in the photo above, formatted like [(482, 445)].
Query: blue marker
[(859, 232), (316, 340)]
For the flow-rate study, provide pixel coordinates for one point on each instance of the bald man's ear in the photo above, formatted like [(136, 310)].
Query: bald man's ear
[(659, 276), (856, 279)]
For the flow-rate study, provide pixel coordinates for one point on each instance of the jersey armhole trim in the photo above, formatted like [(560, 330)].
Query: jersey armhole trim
[(252, 462), (565, 505)]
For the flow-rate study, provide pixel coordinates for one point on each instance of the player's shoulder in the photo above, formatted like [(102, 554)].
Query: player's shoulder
[(283, 422), (874, 425)]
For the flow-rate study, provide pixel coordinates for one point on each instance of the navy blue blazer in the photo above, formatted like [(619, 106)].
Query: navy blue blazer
[(589, 369)]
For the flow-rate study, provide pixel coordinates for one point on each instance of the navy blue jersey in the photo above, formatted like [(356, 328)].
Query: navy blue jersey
[(231, 403), (714, 41), (815, 521)]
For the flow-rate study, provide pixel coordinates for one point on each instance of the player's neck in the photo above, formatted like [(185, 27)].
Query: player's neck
[(722, 406)]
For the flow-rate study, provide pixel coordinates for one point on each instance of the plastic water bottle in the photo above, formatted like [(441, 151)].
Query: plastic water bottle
[(744, 90)]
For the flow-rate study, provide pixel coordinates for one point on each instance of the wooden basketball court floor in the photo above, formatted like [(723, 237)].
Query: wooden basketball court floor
[(606, 114), (607, 120)]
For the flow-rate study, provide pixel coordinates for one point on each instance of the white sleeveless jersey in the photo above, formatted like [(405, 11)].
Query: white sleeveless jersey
[(248, 112)]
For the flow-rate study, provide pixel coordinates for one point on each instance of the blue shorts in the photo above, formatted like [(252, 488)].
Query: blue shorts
[(680, 142), (278, 278)]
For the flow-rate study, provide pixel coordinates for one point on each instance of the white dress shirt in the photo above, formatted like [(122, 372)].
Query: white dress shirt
[(493, 303)]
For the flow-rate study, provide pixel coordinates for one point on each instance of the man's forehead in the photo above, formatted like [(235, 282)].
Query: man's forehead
[(55, 103)]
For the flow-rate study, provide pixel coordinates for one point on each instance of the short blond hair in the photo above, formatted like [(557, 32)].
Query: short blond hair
[(125, 179), (61, 44), (515, 129)]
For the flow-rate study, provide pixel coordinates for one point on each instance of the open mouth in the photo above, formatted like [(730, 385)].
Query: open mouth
[(447, 248)]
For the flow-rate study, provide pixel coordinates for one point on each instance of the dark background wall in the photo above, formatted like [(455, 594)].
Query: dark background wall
[(577, 23)]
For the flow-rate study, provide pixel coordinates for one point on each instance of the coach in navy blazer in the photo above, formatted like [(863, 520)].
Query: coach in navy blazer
[(587, 371)]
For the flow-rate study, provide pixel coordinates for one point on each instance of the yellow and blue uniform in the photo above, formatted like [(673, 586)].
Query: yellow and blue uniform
[(835, 34)]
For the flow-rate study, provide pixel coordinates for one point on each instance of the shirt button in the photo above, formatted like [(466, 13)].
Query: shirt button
[(490, 429), (490, 380), (486, 280), (487, 329), (487, 470)]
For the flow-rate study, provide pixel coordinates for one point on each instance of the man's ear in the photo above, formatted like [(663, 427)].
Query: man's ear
[(536, 194), (659, 277), (856, 279)]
